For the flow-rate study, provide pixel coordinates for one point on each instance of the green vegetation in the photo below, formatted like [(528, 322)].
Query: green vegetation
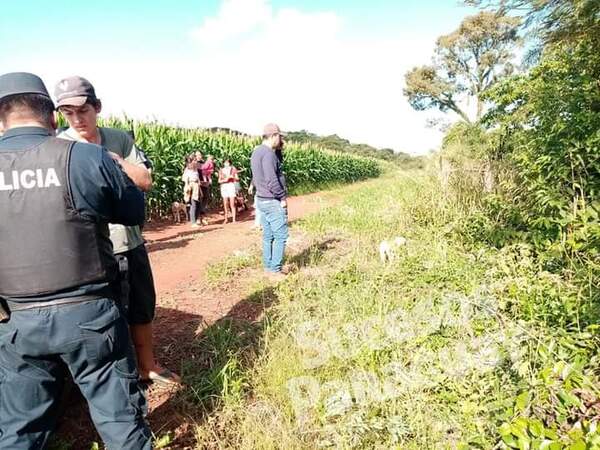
[(454, 344), (307, 167), (226, 268), (483, 332), (549, 121), (334, 142), (467, 63), (539, 140), (551, 21)]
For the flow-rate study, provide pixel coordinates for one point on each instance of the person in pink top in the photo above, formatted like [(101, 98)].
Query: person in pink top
[(207, 169)]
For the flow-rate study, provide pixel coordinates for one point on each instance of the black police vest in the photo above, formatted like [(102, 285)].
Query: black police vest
[(46, 246)]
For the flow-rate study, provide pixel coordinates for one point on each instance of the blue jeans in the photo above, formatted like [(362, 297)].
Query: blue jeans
[(275, 233), (257, 221), (92, 339), (195, 210)]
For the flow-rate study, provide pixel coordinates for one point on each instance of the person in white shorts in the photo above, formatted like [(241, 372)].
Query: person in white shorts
[(228, 177)]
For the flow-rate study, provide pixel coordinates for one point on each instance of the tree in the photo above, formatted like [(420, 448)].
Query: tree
[(336, 143), (467, 62), (552, 21), (549, 119)]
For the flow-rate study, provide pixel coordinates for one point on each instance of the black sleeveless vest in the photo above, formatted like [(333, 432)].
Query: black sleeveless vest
[(46, 246)]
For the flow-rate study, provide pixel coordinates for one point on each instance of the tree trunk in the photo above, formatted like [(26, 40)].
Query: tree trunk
[(479, 108), (488, 178)]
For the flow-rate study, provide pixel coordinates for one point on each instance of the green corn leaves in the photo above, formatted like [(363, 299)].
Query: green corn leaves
[(307, 168)]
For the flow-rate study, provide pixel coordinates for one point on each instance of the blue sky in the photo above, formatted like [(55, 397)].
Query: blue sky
[(202, 62)]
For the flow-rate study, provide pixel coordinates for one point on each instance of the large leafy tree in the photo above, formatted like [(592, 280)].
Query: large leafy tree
[(466, 63), (551, 119), (552, 21)]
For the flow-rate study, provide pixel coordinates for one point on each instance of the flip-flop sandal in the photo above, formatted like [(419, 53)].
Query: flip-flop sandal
[(164, 378)]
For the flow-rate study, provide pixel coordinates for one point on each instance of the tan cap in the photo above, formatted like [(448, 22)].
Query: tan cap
[(73, 91), (271, 129)]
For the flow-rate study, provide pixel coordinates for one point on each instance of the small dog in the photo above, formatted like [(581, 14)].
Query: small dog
[(387, 249), (177, 208)]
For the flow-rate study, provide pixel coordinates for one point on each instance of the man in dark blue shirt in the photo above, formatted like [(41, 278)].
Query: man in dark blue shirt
[(58, 277), (271, 199)]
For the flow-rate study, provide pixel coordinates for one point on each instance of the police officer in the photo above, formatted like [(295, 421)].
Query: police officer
[(58, 277)]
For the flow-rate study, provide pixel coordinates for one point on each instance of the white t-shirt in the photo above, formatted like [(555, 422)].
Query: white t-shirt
[(190, 176)]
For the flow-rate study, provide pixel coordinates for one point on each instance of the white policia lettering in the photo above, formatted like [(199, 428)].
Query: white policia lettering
[(29, 179)]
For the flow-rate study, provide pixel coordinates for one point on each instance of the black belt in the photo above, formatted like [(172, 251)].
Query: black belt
[(22, 306)]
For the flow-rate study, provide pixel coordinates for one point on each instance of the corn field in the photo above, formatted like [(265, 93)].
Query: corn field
[(307, 168)]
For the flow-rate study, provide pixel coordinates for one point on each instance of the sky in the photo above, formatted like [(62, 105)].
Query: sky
[(327, 66)]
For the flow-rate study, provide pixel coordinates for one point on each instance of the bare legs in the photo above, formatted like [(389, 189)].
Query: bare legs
[(225, 208), (232, 207), (142, 342), (229, 205)]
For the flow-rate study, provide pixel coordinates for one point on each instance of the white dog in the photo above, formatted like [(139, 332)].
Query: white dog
[(177, 208), (387, 249)]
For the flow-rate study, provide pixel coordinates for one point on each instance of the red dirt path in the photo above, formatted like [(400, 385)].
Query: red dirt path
[(179, 256)]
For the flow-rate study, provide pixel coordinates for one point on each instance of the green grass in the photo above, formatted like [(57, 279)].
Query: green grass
[(226, 268), (439, 349)]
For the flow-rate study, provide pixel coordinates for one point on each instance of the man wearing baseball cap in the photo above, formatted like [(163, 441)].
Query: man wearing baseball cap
[(58, 278), (271, 198), (76, 100)]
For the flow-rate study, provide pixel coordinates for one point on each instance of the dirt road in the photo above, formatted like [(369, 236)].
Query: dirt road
[(186, 306)]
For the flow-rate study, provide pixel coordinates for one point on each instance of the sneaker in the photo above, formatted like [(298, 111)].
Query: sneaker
[(204, 222), (275, 276), (164, 378), (195, 225)]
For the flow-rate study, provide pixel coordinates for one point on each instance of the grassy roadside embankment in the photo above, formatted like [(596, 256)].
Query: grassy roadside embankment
[(447, 346)]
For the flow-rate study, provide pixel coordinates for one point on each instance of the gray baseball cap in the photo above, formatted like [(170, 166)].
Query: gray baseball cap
[(271, 128), (73, 91), (16, 83)]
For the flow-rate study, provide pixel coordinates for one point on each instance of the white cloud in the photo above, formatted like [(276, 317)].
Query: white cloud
[(235, 17), (306, 70), (252, 63)]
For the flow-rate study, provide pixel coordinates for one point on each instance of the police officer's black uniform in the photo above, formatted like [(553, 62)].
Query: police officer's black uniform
[(58, 279)]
